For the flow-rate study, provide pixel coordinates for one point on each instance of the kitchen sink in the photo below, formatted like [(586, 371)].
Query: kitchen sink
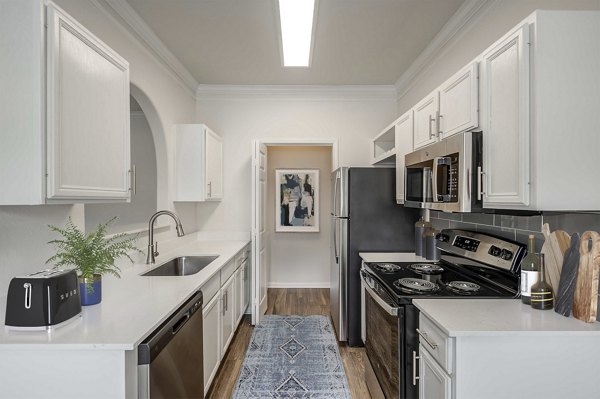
[(182, 266)]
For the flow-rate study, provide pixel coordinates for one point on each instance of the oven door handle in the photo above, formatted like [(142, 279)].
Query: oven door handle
[(392, 311)]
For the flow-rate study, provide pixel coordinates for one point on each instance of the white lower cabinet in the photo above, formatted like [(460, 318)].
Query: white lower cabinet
[(434, 382), (228, 312), (239, 284), (211, 318)]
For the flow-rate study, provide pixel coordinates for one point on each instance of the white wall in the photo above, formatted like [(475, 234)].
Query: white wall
[(300, 260), (241, 116), (23, 229), (474, 38)]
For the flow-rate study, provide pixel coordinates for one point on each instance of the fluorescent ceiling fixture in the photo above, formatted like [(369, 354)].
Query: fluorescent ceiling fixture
[(296, 18)]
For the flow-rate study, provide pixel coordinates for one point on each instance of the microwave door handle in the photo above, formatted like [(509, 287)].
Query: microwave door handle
[(434, 178)]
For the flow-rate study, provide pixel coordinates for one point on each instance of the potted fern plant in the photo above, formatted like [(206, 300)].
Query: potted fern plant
[(92, 255)]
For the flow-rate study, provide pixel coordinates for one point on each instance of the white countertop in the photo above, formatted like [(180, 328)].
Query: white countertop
[(132, 306), (493, 317), (391, 257)]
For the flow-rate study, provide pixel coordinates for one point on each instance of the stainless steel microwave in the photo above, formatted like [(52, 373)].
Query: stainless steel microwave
[(445, 176)]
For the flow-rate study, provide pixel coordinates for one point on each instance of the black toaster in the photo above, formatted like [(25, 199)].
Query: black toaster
[(42, 299)]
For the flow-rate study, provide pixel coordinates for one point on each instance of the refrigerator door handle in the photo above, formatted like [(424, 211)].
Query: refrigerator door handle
[(335, 196), (335, 243)]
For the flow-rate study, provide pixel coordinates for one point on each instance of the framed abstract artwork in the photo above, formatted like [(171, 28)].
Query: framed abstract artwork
[(297, 200)]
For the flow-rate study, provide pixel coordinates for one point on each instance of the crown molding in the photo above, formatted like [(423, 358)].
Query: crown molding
[(137, 27), (468, 13), (298, 92)]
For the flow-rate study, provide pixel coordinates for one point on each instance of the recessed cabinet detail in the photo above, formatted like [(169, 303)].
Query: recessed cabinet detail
[(64, 107), (87, 114), (199, 164)]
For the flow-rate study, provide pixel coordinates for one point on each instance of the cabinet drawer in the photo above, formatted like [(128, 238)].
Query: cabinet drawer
[(436, 342), (210, 288), (227, 270)]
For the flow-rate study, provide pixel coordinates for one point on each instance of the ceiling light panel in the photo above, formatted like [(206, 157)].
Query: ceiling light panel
[(296, 18)]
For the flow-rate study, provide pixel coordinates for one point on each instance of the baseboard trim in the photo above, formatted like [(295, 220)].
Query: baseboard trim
[(299, 285)]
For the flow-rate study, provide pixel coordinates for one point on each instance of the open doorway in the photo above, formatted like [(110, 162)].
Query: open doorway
[(290, 259)]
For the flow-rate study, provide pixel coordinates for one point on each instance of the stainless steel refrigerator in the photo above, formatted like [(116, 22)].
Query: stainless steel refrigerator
[(365, 218)]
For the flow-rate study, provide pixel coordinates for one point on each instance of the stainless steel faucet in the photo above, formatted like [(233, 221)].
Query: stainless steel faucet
[(152, 246)]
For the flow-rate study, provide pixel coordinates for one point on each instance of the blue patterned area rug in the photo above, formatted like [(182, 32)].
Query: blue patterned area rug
[(292, 357)]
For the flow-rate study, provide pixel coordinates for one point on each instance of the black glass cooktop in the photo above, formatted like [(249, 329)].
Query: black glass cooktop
[(407, 280)]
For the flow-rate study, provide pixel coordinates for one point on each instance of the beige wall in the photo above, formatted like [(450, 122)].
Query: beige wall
[(299, 259)]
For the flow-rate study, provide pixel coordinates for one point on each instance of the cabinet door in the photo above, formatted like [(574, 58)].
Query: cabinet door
[(239, 294), (214, 166), (434, 383), (505, 116), (425, 120), (211, 314), (459, 102), (246, 295), (404, 145), (228, 312), (87, 114)]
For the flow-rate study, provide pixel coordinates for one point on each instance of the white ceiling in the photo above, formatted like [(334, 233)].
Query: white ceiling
[(357, 42)]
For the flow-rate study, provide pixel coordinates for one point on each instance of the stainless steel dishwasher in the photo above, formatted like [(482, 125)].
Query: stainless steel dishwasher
[(170, 359)]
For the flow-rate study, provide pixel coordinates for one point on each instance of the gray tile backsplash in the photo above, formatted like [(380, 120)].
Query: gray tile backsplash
[(517, 227)]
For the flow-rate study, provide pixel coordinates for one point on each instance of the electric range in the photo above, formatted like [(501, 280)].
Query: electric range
[(472, 265)]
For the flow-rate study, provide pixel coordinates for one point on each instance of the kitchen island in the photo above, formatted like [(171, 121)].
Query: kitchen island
[(95, 355), (502, 348)]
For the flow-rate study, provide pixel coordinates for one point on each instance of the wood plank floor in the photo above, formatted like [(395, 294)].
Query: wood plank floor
[(288, 301)]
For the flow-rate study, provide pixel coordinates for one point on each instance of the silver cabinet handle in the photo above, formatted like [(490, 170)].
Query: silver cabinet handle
[(431, 119), (480, 174), (132, 180), (426, 339), (439, 123), (415, 376), (209, 189)]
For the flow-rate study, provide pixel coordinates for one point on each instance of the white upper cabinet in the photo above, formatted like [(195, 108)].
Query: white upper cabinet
[(451, 108), (383, 147), (404, 145), (64, 110), (540, 91), (425, 120), (199, 164), (459, 102), (87, 113), (505, 111)]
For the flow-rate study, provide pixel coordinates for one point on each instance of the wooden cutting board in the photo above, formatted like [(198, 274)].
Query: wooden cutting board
[(554, 248), (585, 303)]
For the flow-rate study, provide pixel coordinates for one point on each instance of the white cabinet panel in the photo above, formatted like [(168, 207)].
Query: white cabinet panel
[(64, 107), (425, 120), (228, 313), (88, 114), (214, 166), (505, 111), (459, 102), (434, 383), (404, 145), (211, 314), (245, 298), (199, 164), (239, 287)]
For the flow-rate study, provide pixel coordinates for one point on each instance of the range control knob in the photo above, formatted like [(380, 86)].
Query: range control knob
[(495, 251), (506, 254), (442, 237)]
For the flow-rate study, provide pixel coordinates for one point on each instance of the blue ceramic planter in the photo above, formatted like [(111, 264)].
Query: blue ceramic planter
[(87, 296)]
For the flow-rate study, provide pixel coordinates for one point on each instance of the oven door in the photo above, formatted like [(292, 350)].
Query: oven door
[(391, 343), (382, 341)]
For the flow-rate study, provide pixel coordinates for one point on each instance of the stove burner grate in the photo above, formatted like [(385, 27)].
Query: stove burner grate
[(415, 285), (463, 287), (426, 268), (387, 267)]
